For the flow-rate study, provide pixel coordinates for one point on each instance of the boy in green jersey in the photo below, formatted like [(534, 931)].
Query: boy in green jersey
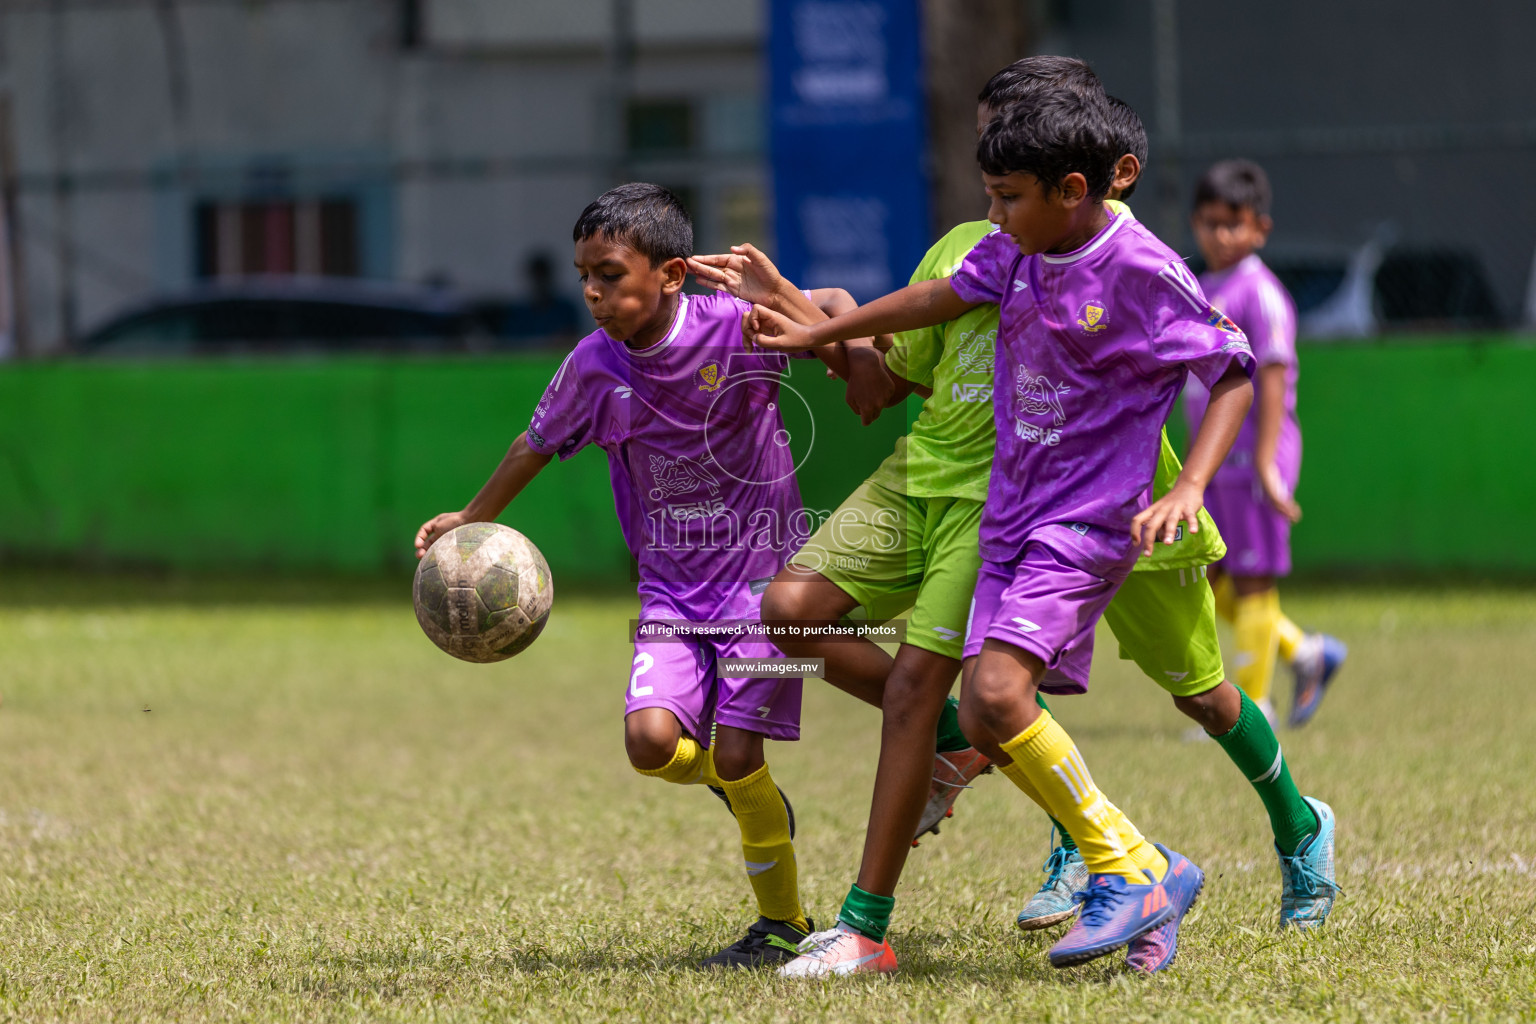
[(907, 538)]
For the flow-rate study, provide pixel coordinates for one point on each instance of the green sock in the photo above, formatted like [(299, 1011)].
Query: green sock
[(1254, 748), (950, 738), (1067, 842), (866, 913)]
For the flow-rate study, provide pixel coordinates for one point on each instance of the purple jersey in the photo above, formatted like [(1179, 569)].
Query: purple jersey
[(703, 478), (1254, 298), (1093, 348)]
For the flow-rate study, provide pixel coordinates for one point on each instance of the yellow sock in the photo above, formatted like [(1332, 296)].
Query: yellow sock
[(1226, 596), (1289, 635), (766, 846), (1018, 778), (1050, 771), (1254, 624), (691, 765)]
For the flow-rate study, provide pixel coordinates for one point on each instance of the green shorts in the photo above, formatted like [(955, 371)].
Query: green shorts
[(1165, 622), (891, 551)]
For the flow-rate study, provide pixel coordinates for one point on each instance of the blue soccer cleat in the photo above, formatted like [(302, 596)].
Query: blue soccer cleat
[(1114, 912), (1307, 885), (1317, 659), (1065, 875), (1182, 882)]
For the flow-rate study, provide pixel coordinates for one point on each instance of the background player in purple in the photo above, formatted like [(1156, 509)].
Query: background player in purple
[(1100, 325), (1251, 498), (704, 488)]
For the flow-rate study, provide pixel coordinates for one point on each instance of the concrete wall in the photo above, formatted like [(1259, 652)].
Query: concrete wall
[(467, 153), (478, 147)]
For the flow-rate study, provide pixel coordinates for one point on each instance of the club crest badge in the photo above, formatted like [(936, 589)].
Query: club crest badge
[(1092, 318), (709, 377)]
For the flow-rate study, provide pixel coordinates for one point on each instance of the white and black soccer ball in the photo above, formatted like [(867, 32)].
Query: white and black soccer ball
[(483, 592)]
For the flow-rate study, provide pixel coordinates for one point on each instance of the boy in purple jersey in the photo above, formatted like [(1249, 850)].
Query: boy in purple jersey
[(704, 487), (1251, 496), (1100, 325)]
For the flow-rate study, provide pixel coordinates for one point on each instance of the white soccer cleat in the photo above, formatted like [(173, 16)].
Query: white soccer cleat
[(840, 951)]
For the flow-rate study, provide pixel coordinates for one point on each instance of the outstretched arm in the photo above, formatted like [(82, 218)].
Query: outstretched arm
[(520, 465), (748, 274), (823, 303), (858, 361), (918, 305), (1229, 403)]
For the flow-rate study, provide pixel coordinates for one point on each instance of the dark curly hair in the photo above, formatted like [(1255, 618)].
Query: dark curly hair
[(1052, 136), (647, 218)]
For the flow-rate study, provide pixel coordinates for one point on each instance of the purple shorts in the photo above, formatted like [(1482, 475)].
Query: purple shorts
[(1258, 538), (1043, 606), (681, 673)]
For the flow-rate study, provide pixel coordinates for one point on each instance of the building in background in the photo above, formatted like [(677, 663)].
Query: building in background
[(156, 143), (149, 144), (1400, 139)]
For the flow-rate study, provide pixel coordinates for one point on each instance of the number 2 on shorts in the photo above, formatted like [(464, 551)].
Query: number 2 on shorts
[(643, 663)]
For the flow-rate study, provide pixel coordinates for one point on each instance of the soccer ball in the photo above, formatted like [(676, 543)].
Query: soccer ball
[(483, 592)]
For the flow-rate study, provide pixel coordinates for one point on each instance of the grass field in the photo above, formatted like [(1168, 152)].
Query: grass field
[(218, 802)]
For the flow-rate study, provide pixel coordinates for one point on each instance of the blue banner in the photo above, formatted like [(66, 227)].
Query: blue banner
[(848, 142)]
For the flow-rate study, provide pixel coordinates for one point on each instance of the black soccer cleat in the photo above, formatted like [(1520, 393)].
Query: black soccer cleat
[(788, 807), (768, 943)]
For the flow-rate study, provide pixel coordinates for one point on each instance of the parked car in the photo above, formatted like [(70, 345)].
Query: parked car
[(1387, 287), (291, 315)]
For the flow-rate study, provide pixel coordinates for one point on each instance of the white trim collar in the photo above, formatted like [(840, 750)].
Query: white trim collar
[(1092, 247), (650, 351)]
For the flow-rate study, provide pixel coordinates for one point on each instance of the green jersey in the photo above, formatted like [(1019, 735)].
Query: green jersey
[(949, 450), (948, 453)]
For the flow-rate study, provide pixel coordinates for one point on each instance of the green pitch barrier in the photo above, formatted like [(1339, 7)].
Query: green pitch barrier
[(1418, 456), (324, 465)]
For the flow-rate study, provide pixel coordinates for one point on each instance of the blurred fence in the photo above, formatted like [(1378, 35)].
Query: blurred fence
[(1418, 456)]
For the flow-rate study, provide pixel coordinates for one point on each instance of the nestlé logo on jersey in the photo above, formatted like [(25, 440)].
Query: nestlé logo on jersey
[(1036, 396), (973, 358), (684, 475)]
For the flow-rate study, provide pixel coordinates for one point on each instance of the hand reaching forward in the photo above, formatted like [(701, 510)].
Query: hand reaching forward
[(745, 273), (1160, 520), (761, 327)]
